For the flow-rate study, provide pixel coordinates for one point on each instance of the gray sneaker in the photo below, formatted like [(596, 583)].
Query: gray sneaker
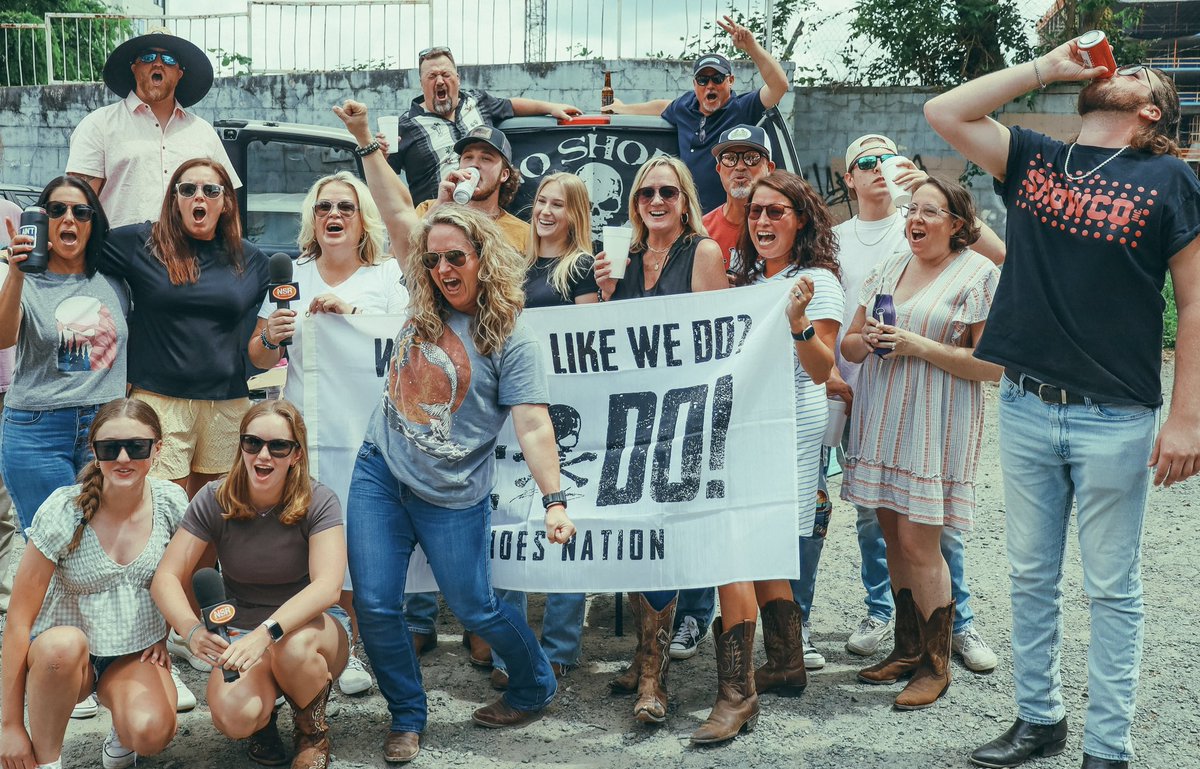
[(686, 642), (813, 659), (976, 655), (870, 633)]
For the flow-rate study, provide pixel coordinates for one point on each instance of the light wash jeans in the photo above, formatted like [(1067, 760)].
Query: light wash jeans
[(562, 624), (385, 521), (1095, 453), (42, 451)]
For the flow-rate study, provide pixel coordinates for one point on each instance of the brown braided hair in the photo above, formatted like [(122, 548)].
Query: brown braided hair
[(91, 480)]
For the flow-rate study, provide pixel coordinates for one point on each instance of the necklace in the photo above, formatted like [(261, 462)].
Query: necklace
[(658, 265), (886, 232), (1073, 178)]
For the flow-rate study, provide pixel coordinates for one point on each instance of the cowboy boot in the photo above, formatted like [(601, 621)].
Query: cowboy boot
[(627, 682), (907, 650), (736, 707), (932, 677), (311, 739), (651, 705), (784, 672)]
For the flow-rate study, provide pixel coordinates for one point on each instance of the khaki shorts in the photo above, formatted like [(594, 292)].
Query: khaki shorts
[(198, 436)]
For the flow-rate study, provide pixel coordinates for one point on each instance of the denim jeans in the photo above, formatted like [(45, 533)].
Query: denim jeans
[(812, 546), (385, 521), (41, 451), (1097, 454), (699, 603), (876, 580), (562, 625), (421, 613)]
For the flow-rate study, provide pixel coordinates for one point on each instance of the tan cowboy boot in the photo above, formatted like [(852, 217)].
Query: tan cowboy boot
[(932, 677), (312, 732), (651, 705), (627, 682), (907, 650), (784, 643), (736, 708)]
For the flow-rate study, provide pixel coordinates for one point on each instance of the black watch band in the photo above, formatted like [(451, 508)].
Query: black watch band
[(806, 334), (556, 498)]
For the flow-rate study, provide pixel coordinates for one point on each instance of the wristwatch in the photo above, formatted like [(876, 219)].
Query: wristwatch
[(556, 498), (805, 335), (273, 629)]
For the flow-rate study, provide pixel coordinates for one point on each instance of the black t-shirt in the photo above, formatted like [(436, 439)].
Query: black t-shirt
[(1079, 303), (539, 292), (188, 341)]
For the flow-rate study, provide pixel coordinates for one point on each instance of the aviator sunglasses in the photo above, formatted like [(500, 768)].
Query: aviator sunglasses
[(188, 190), (730, 158), (135, 448), (323, 208), (431, 259), (277, 447), (58, 209), (868, 162), (666, 192), (149, 56)]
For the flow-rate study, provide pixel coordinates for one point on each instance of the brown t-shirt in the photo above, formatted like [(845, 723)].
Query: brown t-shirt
[(263, 562)]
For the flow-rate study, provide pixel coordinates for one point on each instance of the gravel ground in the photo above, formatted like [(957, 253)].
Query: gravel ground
[(836, 723)]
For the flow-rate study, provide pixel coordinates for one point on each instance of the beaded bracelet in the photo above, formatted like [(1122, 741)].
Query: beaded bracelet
[(266, 342), (362, 152)]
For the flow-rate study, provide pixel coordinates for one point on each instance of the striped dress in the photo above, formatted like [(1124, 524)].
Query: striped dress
[(916, 430)]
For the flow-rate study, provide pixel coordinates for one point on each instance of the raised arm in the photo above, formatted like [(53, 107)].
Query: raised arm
[(989, 244), (527, 107), (775, 82)]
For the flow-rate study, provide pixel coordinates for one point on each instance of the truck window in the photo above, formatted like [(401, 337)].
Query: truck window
[(278, 175)]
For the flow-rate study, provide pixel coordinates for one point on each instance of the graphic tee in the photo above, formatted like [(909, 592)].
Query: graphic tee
[(725, 232)]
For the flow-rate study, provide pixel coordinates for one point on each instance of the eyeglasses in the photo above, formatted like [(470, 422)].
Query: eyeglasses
[(149, 57), (717, 79), (456, 258), (57, 209), (1133, 70), (868, 162), (930, 212), (435, 51), (135, 448), (324, 208), (774, 212), (730, 158), (666, 192), (188, 190), (277, 447)]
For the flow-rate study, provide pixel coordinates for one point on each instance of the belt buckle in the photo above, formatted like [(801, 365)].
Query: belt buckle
[(1062, 394)]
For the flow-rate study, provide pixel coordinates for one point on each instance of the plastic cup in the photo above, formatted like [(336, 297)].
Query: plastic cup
[(890, 169), (836, 424), (389, 126), (616, 247)]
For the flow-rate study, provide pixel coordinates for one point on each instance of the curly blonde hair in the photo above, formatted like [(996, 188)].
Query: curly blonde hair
[(501, 294), (370, 245), (692, 217)]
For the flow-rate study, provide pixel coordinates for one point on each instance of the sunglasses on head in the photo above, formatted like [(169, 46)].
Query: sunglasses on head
[(277, 447), (717, 79), (150, 56), (429, 53), (666, 192), (868, 162), (730, 158), (324, 208), (774, 212), (456, 258), (188, 190), (57, 209), (135, 448)]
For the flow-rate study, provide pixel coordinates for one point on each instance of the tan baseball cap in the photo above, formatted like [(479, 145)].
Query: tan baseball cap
[(866, 142)]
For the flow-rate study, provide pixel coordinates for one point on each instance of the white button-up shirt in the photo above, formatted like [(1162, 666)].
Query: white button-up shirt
[(124, 145)]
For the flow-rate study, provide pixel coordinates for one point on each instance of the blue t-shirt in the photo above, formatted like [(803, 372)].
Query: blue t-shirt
[(684, 114), (1080, 303)]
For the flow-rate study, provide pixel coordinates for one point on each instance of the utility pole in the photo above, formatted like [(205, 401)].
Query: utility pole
[(535, 30)]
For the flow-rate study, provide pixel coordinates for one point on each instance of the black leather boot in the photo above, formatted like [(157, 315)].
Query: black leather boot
[(1022, 741)]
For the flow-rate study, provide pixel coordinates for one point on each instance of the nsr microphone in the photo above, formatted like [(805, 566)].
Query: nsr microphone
[(282, 289), (217, 612)]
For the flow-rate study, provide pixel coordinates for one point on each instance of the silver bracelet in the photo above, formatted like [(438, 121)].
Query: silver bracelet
[(1037, 73)]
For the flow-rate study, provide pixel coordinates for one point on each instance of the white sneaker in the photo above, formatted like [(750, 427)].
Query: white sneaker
[(86, 709), (355, 678), (871, 632), (976, 655), (186, 700), (177, 646), (813, 659), (686, 642), (116, 755)]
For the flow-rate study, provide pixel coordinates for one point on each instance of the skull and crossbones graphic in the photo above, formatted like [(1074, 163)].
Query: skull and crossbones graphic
[(567, 423)]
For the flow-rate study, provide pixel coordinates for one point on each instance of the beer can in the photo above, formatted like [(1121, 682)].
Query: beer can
[(1096, 52)]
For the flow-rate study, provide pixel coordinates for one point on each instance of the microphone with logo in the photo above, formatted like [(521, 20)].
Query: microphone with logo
[(282, 289), (217, 612)]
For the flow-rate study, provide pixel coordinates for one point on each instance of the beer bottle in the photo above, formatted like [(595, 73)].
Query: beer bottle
[(606, 93)]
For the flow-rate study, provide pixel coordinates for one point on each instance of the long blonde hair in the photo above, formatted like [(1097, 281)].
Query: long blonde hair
[(572, 264), (370, 245), (501, 280), (233, 495), (692, 217)]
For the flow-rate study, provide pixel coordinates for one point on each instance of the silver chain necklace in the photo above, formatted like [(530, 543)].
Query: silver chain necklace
[(1073, 178), (887, 231)]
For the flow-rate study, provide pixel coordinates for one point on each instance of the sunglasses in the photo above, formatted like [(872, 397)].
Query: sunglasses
[(666, 192), (135, 448), (149, 57), (58, 209), (730, 158), (429, 53), (431, 259), (277, 447), (188, 190), (868, 162), (774, 212), (703, 80), (324, 208)]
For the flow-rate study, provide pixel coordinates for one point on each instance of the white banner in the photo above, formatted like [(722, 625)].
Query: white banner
[(676, 431)]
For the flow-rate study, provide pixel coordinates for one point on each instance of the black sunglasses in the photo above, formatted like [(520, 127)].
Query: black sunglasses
[(135, 448), (188, 190), (868, 162), (277, 447), (717, 79), (774, 212), (149, 56), (666, 192), (730, 158), (58, 209), (431, 259), (429, 53), (323, 208)]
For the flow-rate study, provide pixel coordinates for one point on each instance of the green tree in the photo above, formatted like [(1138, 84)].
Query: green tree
[(787, 25), (1079, 16), (79, 51)]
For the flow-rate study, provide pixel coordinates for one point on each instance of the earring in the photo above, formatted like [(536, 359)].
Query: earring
[(684, 217)]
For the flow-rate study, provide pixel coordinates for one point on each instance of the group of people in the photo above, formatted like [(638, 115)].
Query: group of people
[(132, 351)]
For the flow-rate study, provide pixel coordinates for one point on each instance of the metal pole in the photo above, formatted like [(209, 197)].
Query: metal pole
[(769, 22), (619, 3)]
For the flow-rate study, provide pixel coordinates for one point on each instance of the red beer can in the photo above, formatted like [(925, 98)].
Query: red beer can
[(1096, 52)]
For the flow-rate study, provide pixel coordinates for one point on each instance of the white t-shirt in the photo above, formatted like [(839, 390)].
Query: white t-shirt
[(373, 289)]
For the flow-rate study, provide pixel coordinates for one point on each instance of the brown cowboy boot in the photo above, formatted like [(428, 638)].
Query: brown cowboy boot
[(311, 739), (907, 650), (932, 677), (651, 705), (784, 672), (627, 682), (736, 707)]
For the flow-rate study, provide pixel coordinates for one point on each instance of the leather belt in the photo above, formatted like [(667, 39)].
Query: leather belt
[(1046, 393)]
